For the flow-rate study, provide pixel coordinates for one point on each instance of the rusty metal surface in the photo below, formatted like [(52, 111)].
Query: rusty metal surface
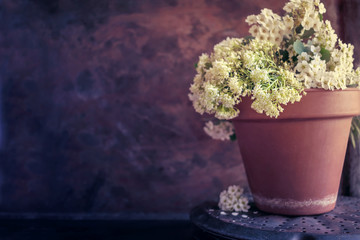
[(341, 223)]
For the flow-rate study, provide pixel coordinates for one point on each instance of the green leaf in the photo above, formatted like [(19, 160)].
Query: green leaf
[(298, 47), (285, 55), (208, 66), (352, 138), (321, 16), (298, 29), (325, 54), (308, 33), (294, 59), (247, 39), (356, 126), (289, 42), (357, 120), (233, 137), (307, 49), (196, 65), (356, 130)]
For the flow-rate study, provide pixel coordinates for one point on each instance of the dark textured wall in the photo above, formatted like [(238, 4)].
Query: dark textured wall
[(349, 19), (94, 104)]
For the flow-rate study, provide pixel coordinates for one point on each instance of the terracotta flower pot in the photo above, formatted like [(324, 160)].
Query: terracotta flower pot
[(294, 163)]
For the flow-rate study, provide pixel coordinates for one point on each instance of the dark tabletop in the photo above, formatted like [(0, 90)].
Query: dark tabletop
[(208, 223), (20, 229), (342, 223)]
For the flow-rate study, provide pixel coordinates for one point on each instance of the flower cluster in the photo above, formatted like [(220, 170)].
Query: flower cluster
[(283, 56), (239, 68), (224, 130), (317, 57), (232, 199), (268, 26)]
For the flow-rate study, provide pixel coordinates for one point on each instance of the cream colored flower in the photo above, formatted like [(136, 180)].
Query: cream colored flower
[(288, 22), (289, 7), (322, 9), (302, 66), (254, 30), (268, 13), (315, 49), (259, 75), (303, 57), (317, 25), (232, 189), (251, 19), (233, 200), (307, 22), (262, 37), (261, 18), (221, 131)]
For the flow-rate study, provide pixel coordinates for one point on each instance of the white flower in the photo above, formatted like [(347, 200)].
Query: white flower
[(302, 66), (262, 37), (219, 71), (268, 13), (263, 30), (303, 57), (237, 207), (322, 9), (307, 22), (235, 86), (233, 200), (203, 61), (289, 7), (316, 25), (259, 75), (229, 206), (308, 82), (261, 18), (254, 31), (223, 194), (249, 58), (314, 49), (224, 200), (268, 25), (288, 22), (232, 189), (244, 204), (222, 131), (251, 19)]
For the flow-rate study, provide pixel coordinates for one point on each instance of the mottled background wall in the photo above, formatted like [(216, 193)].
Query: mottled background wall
[(95, 114)]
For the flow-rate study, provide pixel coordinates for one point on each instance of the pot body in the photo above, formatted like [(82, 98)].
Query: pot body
[(294, 163)]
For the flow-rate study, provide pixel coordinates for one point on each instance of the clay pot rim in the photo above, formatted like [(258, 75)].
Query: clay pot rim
[(316, 104), (335, 90)]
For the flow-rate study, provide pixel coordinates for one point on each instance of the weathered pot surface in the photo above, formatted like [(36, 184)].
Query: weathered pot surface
[(294, 163)]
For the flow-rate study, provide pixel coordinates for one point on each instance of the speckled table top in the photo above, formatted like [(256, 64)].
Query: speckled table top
[(341, 223)]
